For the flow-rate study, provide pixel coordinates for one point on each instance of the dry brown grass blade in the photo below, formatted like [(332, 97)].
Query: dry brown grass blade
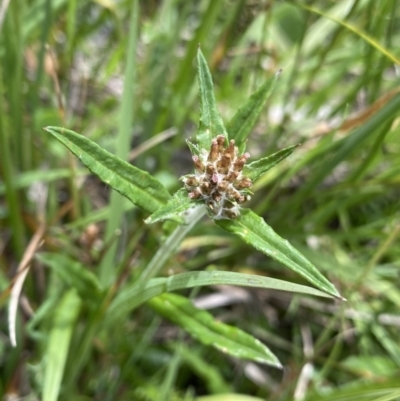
[(161, 137), (367, 113), (22, 271)]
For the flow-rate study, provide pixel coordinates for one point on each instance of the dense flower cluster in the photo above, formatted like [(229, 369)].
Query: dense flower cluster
[(218, 179)]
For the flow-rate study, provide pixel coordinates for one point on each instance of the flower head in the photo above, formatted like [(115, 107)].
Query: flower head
[(218, 180)]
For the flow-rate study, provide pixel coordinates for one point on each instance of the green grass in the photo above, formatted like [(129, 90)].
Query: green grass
[(127, 72)]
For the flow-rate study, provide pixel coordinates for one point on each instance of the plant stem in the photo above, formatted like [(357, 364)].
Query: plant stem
[(107, 271), (171, 244)]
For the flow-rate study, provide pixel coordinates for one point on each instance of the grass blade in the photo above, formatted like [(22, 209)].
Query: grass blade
[(58, 344), (122, 145), (368, 39), (74, 274), (202, 325), (352, 143), (253, 230), (132, 297)]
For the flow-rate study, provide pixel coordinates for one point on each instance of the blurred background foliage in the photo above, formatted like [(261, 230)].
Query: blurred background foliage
[(336, 198)]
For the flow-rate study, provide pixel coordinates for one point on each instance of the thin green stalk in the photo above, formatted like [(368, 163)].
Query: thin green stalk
[(80, 356), (171, 245), (385, 246), (173, 367), (7, 168), (333, 357), (137, 353), (155, 265), (13, 73), (373, 152), (184, 76), (47, 19), (324, 51), (71, 26), (172, 371), (293, 74), (107, 272), (345, 148)]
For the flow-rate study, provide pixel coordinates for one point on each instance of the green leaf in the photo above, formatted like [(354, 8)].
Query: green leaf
[(350, 144), (257, 168), (194, 150), (210, 374), (361, 390), (202, 325), (243, 121), (58, 344), (229, 397), (73, 274), (173, 209), (356, 30), (27, 178), (130, 298), (122, 145), (210, 124), (137, 185), (253, 230)]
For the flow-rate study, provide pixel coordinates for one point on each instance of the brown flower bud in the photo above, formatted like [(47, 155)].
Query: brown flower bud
[(240, 161), (221, 141), (243, 198), (219, 182), (191, 181), (244, 182), (236, 196), (224, 164), (228, 204), (205, 188), (210, 169), (216, 196), (198, 164), (231, 177), (222, 186), (230, 150), (214, 151)]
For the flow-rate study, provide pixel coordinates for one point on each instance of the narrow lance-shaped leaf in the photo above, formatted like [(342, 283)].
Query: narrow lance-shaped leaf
[(243, 121), (202, 325), (211, 374), (174, 209), (58, 344), (257, 168), (74, 274), (137, 185), (130, 298), (253, 230), (210, 124)]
